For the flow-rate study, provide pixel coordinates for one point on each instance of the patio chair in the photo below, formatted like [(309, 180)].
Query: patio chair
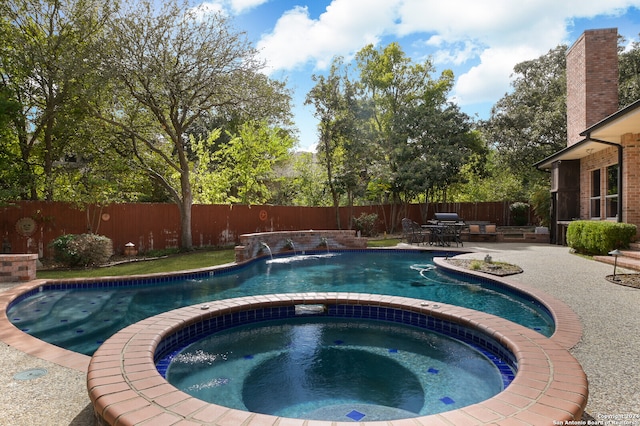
[(452, 234), (412, 232)]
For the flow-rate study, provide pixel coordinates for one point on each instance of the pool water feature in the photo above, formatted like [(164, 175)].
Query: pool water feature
[(80, 316), (336, 370)]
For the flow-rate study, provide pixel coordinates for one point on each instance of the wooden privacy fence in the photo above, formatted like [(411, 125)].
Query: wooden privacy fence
[(29, 226)]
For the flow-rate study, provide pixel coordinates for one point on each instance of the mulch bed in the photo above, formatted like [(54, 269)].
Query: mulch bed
[(504, 269), (627, 280), (494, 268)]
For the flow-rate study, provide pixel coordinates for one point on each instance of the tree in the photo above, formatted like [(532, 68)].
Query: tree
[(172, 67), (629, 69), (334, 100), (45, 61), (244, 166), (491, 182), (309, 179), (422, 140), (530, 123), (443, 142), (11, 175), (394, 86)]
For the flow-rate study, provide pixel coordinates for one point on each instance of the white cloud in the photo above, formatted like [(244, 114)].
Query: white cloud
[(497, 34), (481, 40), (459, 28), (240, 6), (341, 30), (490, 80), (205, 9), (227, 7), (456, 53)]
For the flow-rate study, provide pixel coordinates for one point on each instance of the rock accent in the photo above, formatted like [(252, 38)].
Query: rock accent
[(259, 244)]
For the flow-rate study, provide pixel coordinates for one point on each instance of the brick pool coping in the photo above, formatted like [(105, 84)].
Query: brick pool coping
[(126, 388), (550, 384), (568, 330)]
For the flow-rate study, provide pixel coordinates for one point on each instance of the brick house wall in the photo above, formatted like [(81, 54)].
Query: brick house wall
[(595, 140), (592, 80), (630, 179), (598, 161)]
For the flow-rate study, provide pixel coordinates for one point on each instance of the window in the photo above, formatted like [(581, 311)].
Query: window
[(594, 204), (612, 191)]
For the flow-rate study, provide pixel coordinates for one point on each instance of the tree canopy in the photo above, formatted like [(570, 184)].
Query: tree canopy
[(172, 67), (530, 123), (44, 63), (391, 134), (123, 101), (629, 70)]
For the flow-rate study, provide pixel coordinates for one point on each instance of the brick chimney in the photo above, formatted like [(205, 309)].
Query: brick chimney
[(592, 80)]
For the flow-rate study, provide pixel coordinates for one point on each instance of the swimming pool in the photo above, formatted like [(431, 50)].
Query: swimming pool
[(80, 316)]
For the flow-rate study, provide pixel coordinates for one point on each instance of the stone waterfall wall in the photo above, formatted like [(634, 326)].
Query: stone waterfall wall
[(253, 245)]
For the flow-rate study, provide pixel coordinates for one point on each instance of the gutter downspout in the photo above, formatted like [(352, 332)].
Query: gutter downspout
[(620, 158)]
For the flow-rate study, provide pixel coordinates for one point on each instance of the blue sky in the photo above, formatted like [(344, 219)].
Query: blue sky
[(480, 41)]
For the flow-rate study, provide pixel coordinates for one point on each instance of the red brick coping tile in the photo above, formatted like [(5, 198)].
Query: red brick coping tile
[(126, 388), (13, 336)]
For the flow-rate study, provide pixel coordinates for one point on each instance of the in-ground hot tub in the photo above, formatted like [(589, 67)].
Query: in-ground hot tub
[(125, 375), (339, 362)]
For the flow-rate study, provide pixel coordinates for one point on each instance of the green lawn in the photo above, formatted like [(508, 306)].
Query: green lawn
[(176, 262), (387, 242)]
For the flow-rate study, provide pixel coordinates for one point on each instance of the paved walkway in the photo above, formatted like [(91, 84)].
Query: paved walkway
[(608, 352)]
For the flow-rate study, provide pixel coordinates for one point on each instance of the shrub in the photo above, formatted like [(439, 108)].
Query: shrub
[(82, 250), (366, 224), (519, 213), (599, 237), (476, 265), (541, 204)]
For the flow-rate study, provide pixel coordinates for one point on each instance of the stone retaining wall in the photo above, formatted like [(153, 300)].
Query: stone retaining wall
[(259, 244), (18, 267)]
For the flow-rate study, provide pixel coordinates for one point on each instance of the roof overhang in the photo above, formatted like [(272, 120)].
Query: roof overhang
[(600, 136), (574, 152), (611, 129)]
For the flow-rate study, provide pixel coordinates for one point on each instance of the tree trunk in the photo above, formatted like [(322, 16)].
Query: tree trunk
[(185, 226), (336, 204), (48, 160), (185, 212), (334, 193)]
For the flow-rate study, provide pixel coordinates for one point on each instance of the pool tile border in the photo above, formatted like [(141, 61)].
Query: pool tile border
[(124, 383), (500, 356)]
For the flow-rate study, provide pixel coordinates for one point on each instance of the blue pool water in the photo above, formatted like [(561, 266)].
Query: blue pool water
[(80, 319), (334, 370)]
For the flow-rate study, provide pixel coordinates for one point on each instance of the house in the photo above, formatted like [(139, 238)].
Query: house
[(597, 176)]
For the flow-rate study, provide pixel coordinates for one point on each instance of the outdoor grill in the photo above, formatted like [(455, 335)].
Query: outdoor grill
[(447, 217)]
